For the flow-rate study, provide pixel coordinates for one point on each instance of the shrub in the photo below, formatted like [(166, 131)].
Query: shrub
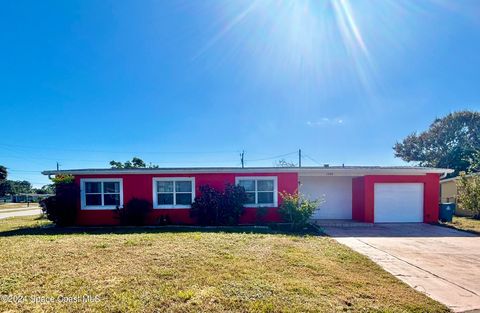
[(62, 208), (468, 197), (63, 179), (231, 205), (135, 212), (297, 210), (260, 214), (215, 207)]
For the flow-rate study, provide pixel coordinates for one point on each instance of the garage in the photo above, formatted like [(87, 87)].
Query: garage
[(398, 202), (336, 191)]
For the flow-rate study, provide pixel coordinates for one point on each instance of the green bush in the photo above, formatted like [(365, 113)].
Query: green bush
[(62, 208), (297, 210), (135, 212), (214, 207), (468, 197)]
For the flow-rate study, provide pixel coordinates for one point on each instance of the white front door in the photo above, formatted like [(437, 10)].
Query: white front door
[(398, 202)]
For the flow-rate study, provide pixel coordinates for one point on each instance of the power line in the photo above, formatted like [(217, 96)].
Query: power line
[(312, 159), (107, 161), (118, 151), (273, 157), (24, 171)]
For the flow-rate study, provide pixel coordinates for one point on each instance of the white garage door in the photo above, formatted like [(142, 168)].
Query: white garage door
[(337, 193), (402, 202)]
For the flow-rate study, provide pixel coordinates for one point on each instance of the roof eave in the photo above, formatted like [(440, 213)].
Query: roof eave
[(310, 171)]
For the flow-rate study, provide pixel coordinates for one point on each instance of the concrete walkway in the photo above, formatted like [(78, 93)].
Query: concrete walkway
[(440, 262)]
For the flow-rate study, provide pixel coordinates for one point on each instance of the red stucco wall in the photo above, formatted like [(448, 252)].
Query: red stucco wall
[(140, 186), (363, 194), (358, 199)]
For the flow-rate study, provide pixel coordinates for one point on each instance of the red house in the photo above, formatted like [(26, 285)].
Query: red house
[(362, 193)]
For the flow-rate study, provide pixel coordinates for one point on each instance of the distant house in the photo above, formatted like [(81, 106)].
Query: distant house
[(370, 194), (28, 197), (448, 193)]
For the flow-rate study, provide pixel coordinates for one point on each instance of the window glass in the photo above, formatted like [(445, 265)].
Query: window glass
[(165, 186), (111, 187), (249, 185), (265, 197), (250, 198), (265, 185), (93, 187), (183, 198), (259, 190), (100, 193), (93, 199), (165, 198), (183, 186), (111, 199)]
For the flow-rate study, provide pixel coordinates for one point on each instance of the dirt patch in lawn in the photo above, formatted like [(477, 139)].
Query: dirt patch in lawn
[(190, 271)]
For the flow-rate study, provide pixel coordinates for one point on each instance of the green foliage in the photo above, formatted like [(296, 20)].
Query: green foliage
[(214, 207), (3, 173), (475, 162), (450, 142), (297, 210), (47, 189), (134, 163), (15, 187), (63, 179), (61, 209), (468, 189), (260, 214), (135, 212)]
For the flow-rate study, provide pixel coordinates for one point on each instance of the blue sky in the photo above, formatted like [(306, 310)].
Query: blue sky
[(192, 83)]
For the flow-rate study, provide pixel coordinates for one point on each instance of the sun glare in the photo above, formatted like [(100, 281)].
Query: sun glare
[(317, 40)]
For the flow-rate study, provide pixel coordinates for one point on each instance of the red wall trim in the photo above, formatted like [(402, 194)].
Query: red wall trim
[(140, 186), (363, 195)]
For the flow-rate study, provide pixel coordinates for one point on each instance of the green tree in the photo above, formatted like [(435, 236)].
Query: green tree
[(450, 142), (475, 162), (134, 163), (468, 197), (47, 189), (3, 173), (15, 187)]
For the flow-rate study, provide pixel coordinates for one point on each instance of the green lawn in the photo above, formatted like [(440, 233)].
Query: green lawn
[(141, 269), (465, 223)]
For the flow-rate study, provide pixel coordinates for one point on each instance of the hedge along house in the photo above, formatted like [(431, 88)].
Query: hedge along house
[(365, 194)]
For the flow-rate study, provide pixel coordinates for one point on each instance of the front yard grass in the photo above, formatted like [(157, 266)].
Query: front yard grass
[(151, 269), (465, 223)]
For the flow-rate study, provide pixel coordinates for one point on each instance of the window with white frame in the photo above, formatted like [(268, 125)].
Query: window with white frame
[(101, 193), (178, 192), (261, 191)]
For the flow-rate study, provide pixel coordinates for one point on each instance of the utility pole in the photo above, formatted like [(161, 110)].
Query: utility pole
[(299, 157), (58, 166), (242, 158)]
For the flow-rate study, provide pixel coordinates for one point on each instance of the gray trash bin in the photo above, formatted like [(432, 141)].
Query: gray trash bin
[(446, 211)]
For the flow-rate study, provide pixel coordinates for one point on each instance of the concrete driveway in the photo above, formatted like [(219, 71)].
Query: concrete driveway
[(440, 262)]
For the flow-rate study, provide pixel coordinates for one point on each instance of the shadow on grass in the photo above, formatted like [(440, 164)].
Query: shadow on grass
[(122, 230)]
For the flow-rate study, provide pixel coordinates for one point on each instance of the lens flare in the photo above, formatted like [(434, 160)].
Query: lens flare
[(319, 42)]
